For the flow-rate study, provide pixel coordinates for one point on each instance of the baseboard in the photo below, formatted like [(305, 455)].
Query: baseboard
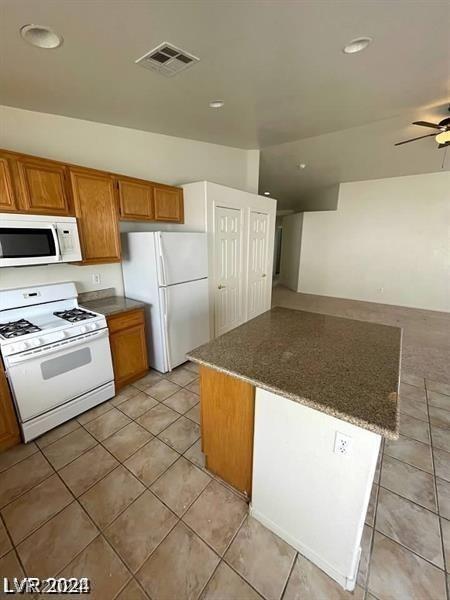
[(348, 583)]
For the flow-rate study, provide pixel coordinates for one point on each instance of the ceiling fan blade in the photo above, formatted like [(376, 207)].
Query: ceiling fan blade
[(414, 139), (426, 124), (444, 145)]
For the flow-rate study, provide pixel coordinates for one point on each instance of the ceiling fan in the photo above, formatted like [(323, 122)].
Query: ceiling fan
[(442, 137)]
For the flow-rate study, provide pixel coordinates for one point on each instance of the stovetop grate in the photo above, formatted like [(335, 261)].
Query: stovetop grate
[(17, 328)]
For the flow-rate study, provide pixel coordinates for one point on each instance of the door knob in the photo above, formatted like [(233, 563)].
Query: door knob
[(220, 286)]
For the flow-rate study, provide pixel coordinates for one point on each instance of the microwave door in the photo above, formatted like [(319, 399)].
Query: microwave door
[(23, 244)]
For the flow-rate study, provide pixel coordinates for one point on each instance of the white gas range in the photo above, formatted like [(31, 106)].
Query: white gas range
[(56, 355)]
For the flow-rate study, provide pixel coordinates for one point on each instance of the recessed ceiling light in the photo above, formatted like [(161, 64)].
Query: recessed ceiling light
[(302, 166), (216, 104), (266, 193), (41, 36), (357, 45)]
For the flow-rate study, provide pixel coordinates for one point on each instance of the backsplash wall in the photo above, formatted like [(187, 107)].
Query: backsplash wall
[(110, 276)]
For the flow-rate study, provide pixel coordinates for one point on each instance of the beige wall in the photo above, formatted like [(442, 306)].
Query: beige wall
[(388, 242), (290, 250), (136, 153)]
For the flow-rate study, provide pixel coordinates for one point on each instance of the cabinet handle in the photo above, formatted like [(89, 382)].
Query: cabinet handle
[(264, 275), (221, 287)]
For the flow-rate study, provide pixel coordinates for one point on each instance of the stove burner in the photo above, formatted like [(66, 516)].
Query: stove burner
[(74, 315), (17, 328)]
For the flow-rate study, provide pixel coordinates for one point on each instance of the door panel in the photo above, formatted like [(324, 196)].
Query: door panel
[(43, 185), (9, 429), (228, 269), (96, 211), (227, 407), (186, 308), (136, 200), (7, 199), (168, 204), (258, 296), (184, 257), (129, 354)]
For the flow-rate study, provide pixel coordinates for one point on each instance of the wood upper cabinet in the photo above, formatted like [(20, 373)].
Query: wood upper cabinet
[(168, 203), (128, 346), (43, 186), (7, 194), (98, 219), (30, 184), (135, 199), (9, 429)]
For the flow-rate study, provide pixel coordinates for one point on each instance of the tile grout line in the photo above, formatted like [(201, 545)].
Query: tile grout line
[(416, 504), (437, 504), (291, 570), (375, 513), (76, 499)]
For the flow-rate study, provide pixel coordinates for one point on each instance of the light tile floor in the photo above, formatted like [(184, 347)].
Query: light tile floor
[(120, 495)]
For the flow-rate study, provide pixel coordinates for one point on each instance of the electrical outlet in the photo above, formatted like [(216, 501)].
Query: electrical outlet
[(96, 278), (342, 444)]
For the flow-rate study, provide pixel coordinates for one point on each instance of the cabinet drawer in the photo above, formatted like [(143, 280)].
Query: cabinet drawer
[(125, 320)]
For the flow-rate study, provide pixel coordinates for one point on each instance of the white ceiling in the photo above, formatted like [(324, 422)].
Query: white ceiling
[(277, 64), (355, 154)]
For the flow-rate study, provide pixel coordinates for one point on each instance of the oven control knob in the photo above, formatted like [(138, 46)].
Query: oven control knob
[(92, 326), (83, 329), (35, 342)]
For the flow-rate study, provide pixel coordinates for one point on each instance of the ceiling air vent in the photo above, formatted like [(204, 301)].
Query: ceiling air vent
[(167, 59)]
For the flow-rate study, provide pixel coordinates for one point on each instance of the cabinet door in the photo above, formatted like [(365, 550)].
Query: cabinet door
[(135, 200), (43, 186), (7, 197), (129, 354), (9, 429), (227, 407), (169, 204), (259, 283), (228, 241), (97, 214)]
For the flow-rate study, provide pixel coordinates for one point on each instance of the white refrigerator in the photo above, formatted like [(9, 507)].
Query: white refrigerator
[(168, 271)]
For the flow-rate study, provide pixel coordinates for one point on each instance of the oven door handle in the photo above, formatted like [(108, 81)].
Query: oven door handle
[(57, 347)]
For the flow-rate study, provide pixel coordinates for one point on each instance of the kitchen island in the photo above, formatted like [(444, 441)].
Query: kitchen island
[(293, 409)]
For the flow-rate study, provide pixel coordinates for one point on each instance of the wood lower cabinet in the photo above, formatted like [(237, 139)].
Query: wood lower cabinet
[(227, 409), (43, 186), (9, 428), (135, 199), (98, 219), (169, 205), (7, 194), (128, 346)]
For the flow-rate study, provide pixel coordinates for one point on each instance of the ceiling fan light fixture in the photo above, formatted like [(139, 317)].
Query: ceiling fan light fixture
[(41, 36), (443, 137), (357, 45)]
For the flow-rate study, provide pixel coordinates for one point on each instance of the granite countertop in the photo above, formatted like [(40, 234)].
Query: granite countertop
[(348, 369), (110, 305)]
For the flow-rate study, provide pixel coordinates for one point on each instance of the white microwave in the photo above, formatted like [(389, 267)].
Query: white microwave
[(38, 240)]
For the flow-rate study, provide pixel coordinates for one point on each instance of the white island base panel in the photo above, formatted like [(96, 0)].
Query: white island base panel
[(314, 499)]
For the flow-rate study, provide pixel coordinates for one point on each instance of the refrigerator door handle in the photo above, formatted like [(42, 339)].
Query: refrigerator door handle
[(161, 261), (166, 328)]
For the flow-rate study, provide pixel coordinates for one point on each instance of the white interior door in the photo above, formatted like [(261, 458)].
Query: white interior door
[(228, 269), (259, 282)]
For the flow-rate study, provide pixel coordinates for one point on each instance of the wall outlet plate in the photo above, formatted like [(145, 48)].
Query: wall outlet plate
[(342, 444), (96, 278)]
